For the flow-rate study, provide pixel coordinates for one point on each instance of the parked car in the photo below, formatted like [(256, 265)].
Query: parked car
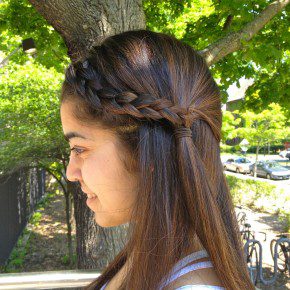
[(270, 170), (239, 164), (285, 153)]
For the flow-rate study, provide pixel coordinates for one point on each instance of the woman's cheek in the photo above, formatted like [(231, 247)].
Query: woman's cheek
[(98, 174)]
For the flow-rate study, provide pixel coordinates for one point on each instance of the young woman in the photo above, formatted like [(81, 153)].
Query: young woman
[(142, 114)]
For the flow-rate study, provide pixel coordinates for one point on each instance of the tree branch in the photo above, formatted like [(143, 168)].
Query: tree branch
[(234, 41), (228, 22), (54, 175)]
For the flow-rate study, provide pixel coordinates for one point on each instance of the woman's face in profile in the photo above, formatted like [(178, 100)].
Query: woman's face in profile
[(96, 164)]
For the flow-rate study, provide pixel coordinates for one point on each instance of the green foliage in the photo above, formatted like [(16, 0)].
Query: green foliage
[(270, 86), (37, 215), (228, 148), (229, 125), (29, 116), (274, 149), (265, 58), (35, 219), (284, 216), (46, 199), (66, 260), (18, 254), (174, 16), (259, 195), (20, 20), (268, 126)]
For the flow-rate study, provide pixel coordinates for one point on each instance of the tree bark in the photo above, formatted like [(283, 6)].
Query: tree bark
[(83, 24), (69, 225), (256, 161)]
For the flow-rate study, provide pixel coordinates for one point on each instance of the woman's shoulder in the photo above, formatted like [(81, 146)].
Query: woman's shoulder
[(200, 274), (199, 287)]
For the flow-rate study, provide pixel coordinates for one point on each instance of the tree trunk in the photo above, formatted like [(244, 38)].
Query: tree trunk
[(255, 167), (89, 244), (83, 24), (68, 223)]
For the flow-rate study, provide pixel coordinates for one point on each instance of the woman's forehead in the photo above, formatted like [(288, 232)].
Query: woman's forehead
[(73, 127)]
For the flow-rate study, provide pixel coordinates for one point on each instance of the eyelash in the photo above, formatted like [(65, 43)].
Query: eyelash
[(76, 150)]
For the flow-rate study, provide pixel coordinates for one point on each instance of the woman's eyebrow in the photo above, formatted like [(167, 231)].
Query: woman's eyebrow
[(71, 135)]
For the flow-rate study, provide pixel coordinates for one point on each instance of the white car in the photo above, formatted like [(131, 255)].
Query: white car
[(239, 165), (285, 153)]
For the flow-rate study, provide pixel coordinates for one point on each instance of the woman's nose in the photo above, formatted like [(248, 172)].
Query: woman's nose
[(73, 172)]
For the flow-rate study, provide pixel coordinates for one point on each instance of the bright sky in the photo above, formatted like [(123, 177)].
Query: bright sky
[(236, 93)]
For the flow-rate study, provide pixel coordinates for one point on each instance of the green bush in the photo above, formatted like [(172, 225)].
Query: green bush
[(45, 200), (260, 196), (66, 260), (17, 256), (19, 252), (285, 217), (35, 219)]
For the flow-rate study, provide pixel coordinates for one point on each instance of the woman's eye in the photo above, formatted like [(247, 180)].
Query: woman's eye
[(78, 151)]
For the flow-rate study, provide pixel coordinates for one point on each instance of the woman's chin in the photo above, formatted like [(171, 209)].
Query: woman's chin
[(103, 222), (107, 223), (92, 203)]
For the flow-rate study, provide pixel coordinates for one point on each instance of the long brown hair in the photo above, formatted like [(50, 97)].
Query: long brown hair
[(144, 85)]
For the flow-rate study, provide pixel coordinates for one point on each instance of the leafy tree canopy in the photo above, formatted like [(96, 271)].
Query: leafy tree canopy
[(230, 122), (29, 87), (265, 58), (198, 23), (268, 126), (19, 20), (29, 116)]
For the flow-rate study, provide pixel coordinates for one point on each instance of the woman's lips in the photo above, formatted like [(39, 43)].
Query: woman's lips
[(91, 202), (91, 199), (89, 194)]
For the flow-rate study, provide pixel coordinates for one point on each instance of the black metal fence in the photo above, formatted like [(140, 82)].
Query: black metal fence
[(19, 194)]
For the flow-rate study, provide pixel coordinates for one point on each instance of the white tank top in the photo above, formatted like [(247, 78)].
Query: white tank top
[(181, 269)]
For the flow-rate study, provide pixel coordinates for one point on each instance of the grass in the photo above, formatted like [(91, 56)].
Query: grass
[(18, 254), (66, 260), (261, 196)]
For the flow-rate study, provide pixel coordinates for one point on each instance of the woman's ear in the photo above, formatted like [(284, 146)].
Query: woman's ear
[(151, 168)]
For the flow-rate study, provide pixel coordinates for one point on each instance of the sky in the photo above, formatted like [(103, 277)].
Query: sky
[(236, 93)]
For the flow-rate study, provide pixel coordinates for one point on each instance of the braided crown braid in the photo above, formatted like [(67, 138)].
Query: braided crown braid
[(82, 76)]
